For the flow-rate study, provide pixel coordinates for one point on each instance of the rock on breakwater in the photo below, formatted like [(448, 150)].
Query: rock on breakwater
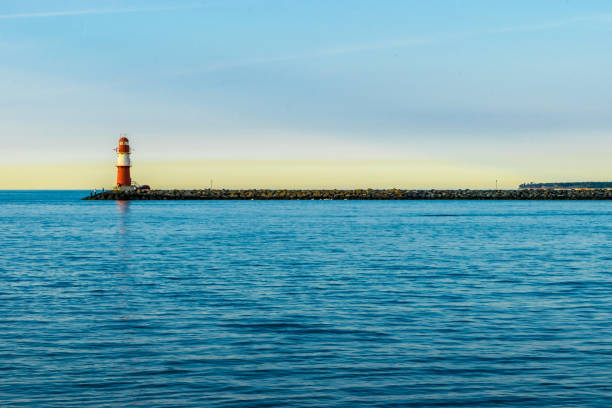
[(357, 194)]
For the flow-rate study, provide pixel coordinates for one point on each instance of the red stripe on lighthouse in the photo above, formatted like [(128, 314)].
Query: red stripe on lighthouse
[(123, 176)]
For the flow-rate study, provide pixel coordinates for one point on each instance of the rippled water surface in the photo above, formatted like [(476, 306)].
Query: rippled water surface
[(304, 303)]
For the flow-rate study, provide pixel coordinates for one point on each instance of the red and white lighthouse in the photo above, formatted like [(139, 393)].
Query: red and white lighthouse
[(123, 164)]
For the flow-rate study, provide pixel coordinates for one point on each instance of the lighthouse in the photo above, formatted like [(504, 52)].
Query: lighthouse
[(124, 181)]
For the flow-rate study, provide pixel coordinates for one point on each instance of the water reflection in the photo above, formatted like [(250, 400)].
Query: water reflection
[(124, 317), (123, 207), (123, 239)]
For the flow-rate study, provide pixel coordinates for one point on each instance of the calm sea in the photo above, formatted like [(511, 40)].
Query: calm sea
[(304, 303)]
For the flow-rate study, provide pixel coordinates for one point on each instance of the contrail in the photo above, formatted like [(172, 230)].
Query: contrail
[(398, 44), (314, 54)]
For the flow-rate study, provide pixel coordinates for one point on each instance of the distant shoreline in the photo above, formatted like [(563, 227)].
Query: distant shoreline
[(569, 185), (355, 194)]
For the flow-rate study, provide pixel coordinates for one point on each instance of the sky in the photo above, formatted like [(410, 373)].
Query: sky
[(305, 94)]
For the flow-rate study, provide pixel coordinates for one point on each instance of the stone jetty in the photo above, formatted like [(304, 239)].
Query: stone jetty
[(358, 194)]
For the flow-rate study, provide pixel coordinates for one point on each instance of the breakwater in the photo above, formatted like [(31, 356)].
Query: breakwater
[(356, 194)]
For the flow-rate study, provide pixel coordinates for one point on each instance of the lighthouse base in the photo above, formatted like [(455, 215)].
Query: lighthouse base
[(125, 188)]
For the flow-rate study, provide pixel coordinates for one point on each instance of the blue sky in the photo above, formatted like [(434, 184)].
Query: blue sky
[(198, 80)]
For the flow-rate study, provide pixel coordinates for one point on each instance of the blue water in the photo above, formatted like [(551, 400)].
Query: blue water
[(304, 303)]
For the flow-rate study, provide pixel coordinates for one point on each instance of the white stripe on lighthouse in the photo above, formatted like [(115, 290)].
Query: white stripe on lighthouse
[(123, 159)]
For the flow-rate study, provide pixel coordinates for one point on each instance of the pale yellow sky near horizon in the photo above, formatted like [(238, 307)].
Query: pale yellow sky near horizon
[(417, 174)]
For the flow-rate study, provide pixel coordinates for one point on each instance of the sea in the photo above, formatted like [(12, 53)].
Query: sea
[(304, 303)]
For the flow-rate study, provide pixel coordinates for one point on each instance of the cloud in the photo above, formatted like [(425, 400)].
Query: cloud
[(66, 13)]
